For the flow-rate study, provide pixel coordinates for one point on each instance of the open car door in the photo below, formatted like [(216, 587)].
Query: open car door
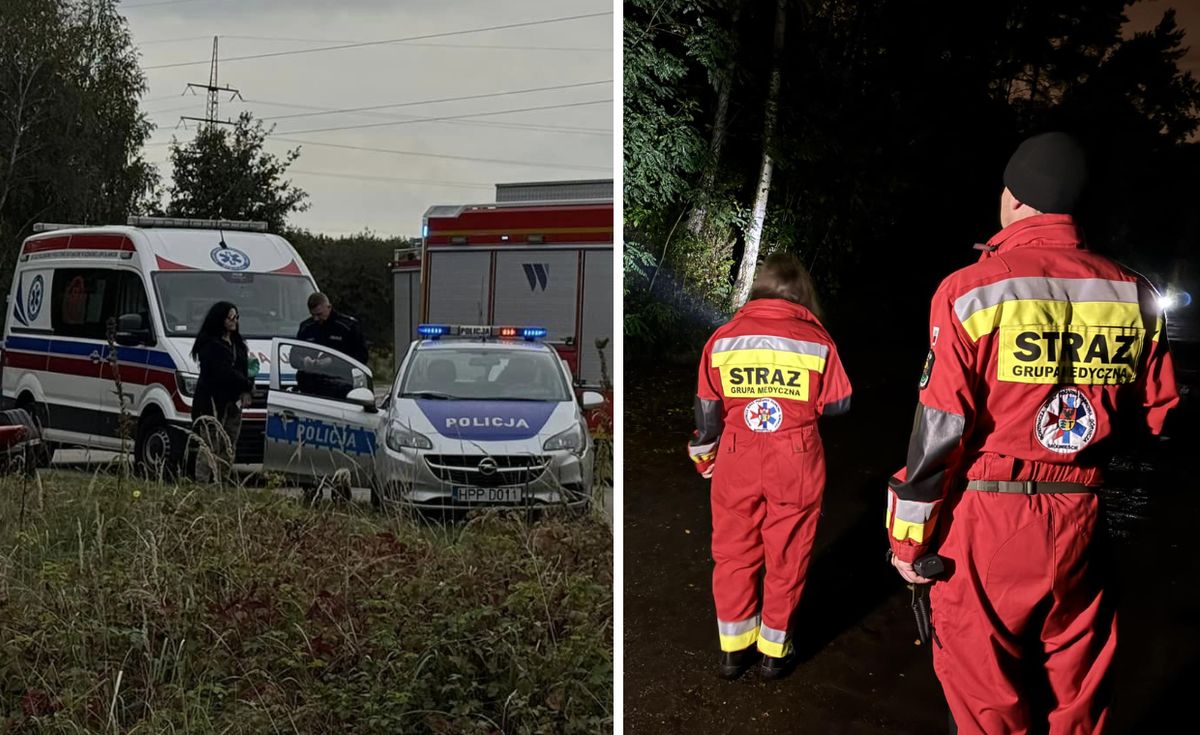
[(325, 422)]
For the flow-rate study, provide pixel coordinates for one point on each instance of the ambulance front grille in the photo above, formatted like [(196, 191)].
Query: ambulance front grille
[(464, 469)]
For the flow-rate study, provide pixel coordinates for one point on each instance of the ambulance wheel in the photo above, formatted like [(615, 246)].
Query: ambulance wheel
[(44, 453), (159, 449)]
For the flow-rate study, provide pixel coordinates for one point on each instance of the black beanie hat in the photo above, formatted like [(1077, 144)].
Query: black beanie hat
[(1047, 172)]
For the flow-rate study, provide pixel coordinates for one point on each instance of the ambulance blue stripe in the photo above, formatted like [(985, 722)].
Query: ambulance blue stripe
[(136, 355)]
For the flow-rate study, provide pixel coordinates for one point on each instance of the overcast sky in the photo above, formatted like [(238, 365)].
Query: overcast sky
[(568, 134)]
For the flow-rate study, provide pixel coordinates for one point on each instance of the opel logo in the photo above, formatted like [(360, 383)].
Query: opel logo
[(488, 467)]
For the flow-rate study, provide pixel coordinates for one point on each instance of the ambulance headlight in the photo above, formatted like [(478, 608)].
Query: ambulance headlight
[(401, 437), (572, 440), (186, 382)]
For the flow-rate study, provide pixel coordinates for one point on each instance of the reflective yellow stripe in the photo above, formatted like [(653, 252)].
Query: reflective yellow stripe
[(764, 358), (698, 458), (907, 531), (1043, 312), (775, 650), (739, 641)]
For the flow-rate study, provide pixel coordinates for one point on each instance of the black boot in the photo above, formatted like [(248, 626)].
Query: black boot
[(734, 663), (776, 668)]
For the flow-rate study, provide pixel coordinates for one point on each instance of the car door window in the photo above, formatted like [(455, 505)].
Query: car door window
[(131, 297), (79, 297), (323, 374)]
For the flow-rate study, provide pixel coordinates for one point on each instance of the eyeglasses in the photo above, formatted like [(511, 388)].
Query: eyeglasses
[(233, 318)]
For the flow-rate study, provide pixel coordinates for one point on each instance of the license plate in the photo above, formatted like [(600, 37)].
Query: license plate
[(487, 494)]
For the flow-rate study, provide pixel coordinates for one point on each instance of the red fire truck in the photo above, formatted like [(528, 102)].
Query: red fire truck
[(541, 254)]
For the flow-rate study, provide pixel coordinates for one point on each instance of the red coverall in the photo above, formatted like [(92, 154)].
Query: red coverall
[(1032, 351), (765, 377)]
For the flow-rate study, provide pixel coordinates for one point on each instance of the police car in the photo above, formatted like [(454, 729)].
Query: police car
[(477, 416)]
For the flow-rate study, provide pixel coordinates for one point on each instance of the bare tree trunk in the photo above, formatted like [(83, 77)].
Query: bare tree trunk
[(724, 88), (19, 125), (741, 287)]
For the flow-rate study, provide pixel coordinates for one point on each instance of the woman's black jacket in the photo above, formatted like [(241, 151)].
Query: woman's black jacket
[(223, 377)]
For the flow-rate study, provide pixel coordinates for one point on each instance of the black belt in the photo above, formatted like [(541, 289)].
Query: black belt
[(1028, 487)]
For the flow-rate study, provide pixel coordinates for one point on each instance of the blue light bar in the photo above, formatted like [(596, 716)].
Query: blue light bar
[(432, 331), (532, 333)]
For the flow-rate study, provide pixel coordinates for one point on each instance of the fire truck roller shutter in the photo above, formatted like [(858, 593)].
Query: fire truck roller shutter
[(459, 291), (538, 287), (597, 315)]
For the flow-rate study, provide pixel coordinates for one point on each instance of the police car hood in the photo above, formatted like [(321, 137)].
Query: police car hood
[(516, 424), (260, 349)]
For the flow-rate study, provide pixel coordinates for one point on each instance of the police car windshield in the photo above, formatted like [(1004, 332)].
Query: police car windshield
[(478, 373), (269, 304)]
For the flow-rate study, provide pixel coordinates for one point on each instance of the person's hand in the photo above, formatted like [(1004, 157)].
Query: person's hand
[(905, 569), (706, 473), (308, 362)]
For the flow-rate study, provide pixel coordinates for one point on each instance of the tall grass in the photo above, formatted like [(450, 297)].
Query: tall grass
[(160, 608)]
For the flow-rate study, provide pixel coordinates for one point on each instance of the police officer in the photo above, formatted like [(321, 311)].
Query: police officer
[(765, 377), (1035, 352), (328, 328)]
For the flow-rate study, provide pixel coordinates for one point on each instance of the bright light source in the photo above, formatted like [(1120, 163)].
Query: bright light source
[(1165, 302)]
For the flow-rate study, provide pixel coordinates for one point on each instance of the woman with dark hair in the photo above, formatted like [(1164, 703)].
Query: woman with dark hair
[(765, 378), (224, 380)]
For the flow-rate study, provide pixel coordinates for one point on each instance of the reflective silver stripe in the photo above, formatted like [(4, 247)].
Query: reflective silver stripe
[(698, 449), (935, 434), (913, 511), (1050, 289), (769, 342), (837, 407), (737, 628), (768, 633)]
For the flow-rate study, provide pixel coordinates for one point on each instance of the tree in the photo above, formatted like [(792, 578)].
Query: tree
[(225, 174), (741, 288), (70, 130)]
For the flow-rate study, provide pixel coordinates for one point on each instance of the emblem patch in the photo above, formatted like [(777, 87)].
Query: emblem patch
[(926, 371), (230, 258), (763, 414), (1066, 422), (36, 293)]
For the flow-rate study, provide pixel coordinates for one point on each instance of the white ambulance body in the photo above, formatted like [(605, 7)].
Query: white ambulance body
[(157, 278)]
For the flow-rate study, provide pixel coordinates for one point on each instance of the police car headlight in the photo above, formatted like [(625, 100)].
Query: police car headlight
[(400, 437), (572, 439), (186, 382)]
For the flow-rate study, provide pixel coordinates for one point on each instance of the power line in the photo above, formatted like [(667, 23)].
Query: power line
[(439, 119), (164, 2), (448, 156), (443, 34), (448, 117), (481, 123), (445, 156), (368, 177), (413, 103), (426, 45), (564, 129)]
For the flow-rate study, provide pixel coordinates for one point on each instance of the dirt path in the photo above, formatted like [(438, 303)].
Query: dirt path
[(861, 672)]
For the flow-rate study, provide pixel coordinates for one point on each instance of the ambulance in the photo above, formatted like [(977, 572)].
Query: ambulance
[(78, 292)]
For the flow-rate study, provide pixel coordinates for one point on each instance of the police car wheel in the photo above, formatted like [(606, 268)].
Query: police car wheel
[(159, 450)]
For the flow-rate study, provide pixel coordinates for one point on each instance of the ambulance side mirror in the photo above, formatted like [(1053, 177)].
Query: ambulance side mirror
[(591, 399), (132, 331)]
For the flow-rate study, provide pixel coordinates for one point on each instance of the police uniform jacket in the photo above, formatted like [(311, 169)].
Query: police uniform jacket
[(339, 332)]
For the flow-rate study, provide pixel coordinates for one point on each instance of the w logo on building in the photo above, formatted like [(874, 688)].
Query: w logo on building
[(537, 274)]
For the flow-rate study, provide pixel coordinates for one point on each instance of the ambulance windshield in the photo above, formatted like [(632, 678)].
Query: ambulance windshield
[(485, 374), (269, 304)]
